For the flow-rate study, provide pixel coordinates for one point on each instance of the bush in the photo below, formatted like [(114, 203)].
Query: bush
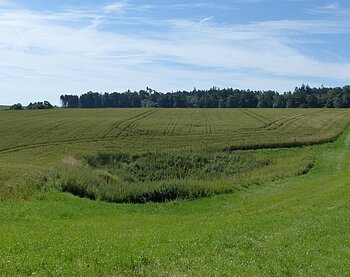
[(40, 106), (16, 107)]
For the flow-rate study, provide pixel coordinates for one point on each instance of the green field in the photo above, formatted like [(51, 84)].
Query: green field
[(275, 209), (154, 129)]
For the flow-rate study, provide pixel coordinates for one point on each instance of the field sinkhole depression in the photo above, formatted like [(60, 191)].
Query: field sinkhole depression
[(174, 192)]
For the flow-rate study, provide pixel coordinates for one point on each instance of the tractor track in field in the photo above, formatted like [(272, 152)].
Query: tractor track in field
[(170, 128), (262, 117), (212, 127), (55, 143), (168, 125), (279, 123), (332, 122), (82, 140), (254, 116), (176, 123), (44, 144), (131, 122), (205, 122), (190, 129), (295, 118), (208, 124), (287, 119), (59, 143), (171, 122), (38, 132), (193, 121), (96, 140)]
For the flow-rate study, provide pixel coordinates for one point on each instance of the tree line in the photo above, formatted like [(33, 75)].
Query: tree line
[(33, 106), (302, 97)]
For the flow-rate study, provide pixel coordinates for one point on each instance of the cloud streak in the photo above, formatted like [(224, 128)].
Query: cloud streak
[(115, 7)]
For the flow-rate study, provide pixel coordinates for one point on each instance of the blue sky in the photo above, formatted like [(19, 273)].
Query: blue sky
[(52, 47)]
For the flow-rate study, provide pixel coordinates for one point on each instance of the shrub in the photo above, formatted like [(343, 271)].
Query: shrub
[(16, 107), (40, 106)]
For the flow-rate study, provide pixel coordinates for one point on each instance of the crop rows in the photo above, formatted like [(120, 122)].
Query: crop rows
[(220, 128)]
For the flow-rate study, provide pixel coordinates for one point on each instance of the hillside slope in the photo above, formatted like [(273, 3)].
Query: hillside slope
[(295, 227)]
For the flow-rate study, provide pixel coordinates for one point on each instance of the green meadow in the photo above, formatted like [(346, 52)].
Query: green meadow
[(184, 192)]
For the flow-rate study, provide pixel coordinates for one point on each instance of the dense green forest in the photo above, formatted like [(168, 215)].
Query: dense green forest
[(301, 97)]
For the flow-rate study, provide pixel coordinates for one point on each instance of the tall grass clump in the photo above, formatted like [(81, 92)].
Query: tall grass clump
[(23, 187), (159, 177), (151, 167)]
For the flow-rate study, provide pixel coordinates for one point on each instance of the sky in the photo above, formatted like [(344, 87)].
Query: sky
[(49, 48)]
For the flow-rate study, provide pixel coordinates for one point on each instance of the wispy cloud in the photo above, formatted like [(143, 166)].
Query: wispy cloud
[(115, 7), (6, 4), (332, 8), (288, 27), (204, 5), (73, 51)]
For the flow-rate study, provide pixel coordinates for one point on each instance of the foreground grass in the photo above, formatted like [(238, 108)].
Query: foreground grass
[(295, 227)]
